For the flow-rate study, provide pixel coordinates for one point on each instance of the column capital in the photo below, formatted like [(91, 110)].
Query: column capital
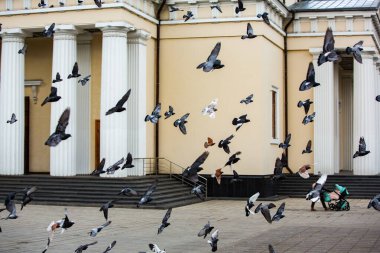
[(315, 52), (13, 33), (121, 25), (84, 38), (138, 37), (65, 32), (369, 53)]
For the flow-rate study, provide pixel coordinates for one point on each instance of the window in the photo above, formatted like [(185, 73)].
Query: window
[(275, 115)]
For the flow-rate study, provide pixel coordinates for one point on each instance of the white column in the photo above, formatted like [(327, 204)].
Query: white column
[(113, 128), (377, 118), (137, 64), (83, 103), (12, 101), (324, 124), (364, 111), (63, 157)]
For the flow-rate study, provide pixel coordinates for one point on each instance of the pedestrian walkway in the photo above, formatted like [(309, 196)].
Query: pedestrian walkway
[(357, 230)]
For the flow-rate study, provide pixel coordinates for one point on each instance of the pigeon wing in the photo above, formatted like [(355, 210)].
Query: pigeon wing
[(214, 52), (129, 158), (124, 99), (254, 197), (308, 145), (310, 76), (266, 213), (328, 44), (200, 160), (287, 139), (240, 4), (63, 121), (306, 107), (157, 109), (249, 29), (322, 179), (167, 216), (182, 127)]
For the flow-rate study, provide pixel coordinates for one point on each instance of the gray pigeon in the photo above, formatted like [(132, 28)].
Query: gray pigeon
[(13, 119), (105, 208), (85, 80), (191, 172), (42, 4), (199, 191), (356, 51), (50, 31), (214, 241), (277, 174), (96, 230), (74, 72), (188, 15), (308, 118), (378, 98), (238, 122), (271, 249), (249, 34), (165, 222), (10, 206), (23, 49), (119, 105), (375, 202), (235, 177), (240, 7), (310, 79), (59, 134), (84, 247), (127, 191), (57, 78), (286, 143), (280, 213), (265, 211), (155, 114), (212, 62), (265, 17), (128, 162), (27, 197), (329, 53), (99, 4), (216, 7), (99, 170), (233, 159), (205, 230), (170, 112), (114, 167), (108, 249), (181, 123), (174, 9), (247, 100), (146, 198), (224, 143), (251, 203), (307, 150), (314, 194), (53, 97), (362, 148), (306, 105)]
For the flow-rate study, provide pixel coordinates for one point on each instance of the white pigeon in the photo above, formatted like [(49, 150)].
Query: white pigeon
[(155, 248), (214, 241), (250, 204), (314, 194), (211, 109)]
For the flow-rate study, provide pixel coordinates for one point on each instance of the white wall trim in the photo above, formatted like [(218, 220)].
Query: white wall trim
[(276, 140), (323, 34), (334, 14)]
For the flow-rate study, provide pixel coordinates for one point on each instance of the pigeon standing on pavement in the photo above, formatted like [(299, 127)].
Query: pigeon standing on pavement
[(224, 143), (329, 54), (251, 203), (119, 105), (13, 119), (375, 203), (74, 72), (27, 197), (238, 122), (53, 97), (205, 230), (96, 230), (59, 134), (146, 198), (155, 114), (356, 51), (271, 249), (214, 241), (307, 150), (99, 4), (362, 148), (280, 213), (212, 62), (306, 105), (181, 123), (249, 34), (165, 222), (42, 4), (191, 172)]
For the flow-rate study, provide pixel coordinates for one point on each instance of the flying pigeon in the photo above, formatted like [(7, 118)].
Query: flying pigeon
[(205, 230), (233, 159), (251, 203), (271, 249), (328, 53), (146, 198), (127, 191), (247, 100), (284, 160), (85, 80), (265, 17), (174, 9), (362, 148), (240, 7), (27, 197), (105, 208), (84, 247), (212, 62), (286, 143), (188, 15), (218, 175), (53, 97), (119, 105), (57, 78), (235, 177), (240, 121), (191, 172), (49, 32), (224, 143), (165, 222), (211, 109), (214, 241), (42, 4), (114, 167), (99, 4), (310, 79), (249, 34), (199, 191), (181, 123), (59, 134), (303, 171), (23, 49), (63, 224), (216, 7), (356, 51), (209, 143), (170, 112), (13, 119), (308, 148), (74, 72), (375, 202), (155, 248), (95, 231), (99, 170), (265, 211), (306, 105), (277, 174), (378, 98), (279, 214), (155, 114), (128, 162), (108, 249), (315, 193), (10, 206), (308, 118)]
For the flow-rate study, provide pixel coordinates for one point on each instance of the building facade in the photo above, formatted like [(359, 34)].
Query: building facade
[(128, 45)]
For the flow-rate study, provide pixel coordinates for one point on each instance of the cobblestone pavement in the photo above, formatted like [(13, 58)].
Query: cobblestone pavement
[(357, 230)]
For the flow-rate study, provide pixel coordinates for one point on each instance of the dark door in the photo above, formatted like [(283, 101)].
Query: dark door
[(26, 137)]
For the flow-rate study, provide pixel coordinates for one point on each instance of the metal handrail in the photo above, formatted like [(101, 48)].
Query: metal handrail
[(161, 165)]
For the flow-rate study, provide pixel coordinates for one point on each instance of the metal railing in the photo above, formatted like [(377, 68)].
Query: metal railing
[(163, 166)]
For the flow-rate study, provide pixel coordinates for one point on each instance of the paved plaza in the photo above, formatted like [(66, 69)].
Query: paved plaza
[(357, 230)]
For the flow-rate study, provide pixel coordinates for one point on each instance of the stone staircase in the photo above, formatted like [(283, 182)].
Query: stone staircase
[(95, 191), (359, 187)]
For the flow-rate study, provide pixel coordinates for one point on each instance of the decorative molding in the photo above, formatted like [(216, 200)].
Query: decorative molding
[(297, 26), (115, 25), (334, 14), (349, 23), (313, 24), (138, 37), (368, 26), (331, 22)]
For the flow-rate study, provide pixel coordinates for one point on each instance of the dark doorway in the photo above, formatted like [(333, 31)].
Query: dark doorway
[(26, 134), (97, 142)]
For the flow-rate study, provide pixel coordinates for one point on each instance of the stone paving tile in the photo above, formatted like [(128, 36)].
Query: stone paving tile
[(357, 230)]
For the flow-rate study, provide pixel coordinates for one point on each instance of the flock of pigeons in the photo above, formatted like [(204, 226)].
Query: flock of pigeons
[(329, 54)]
